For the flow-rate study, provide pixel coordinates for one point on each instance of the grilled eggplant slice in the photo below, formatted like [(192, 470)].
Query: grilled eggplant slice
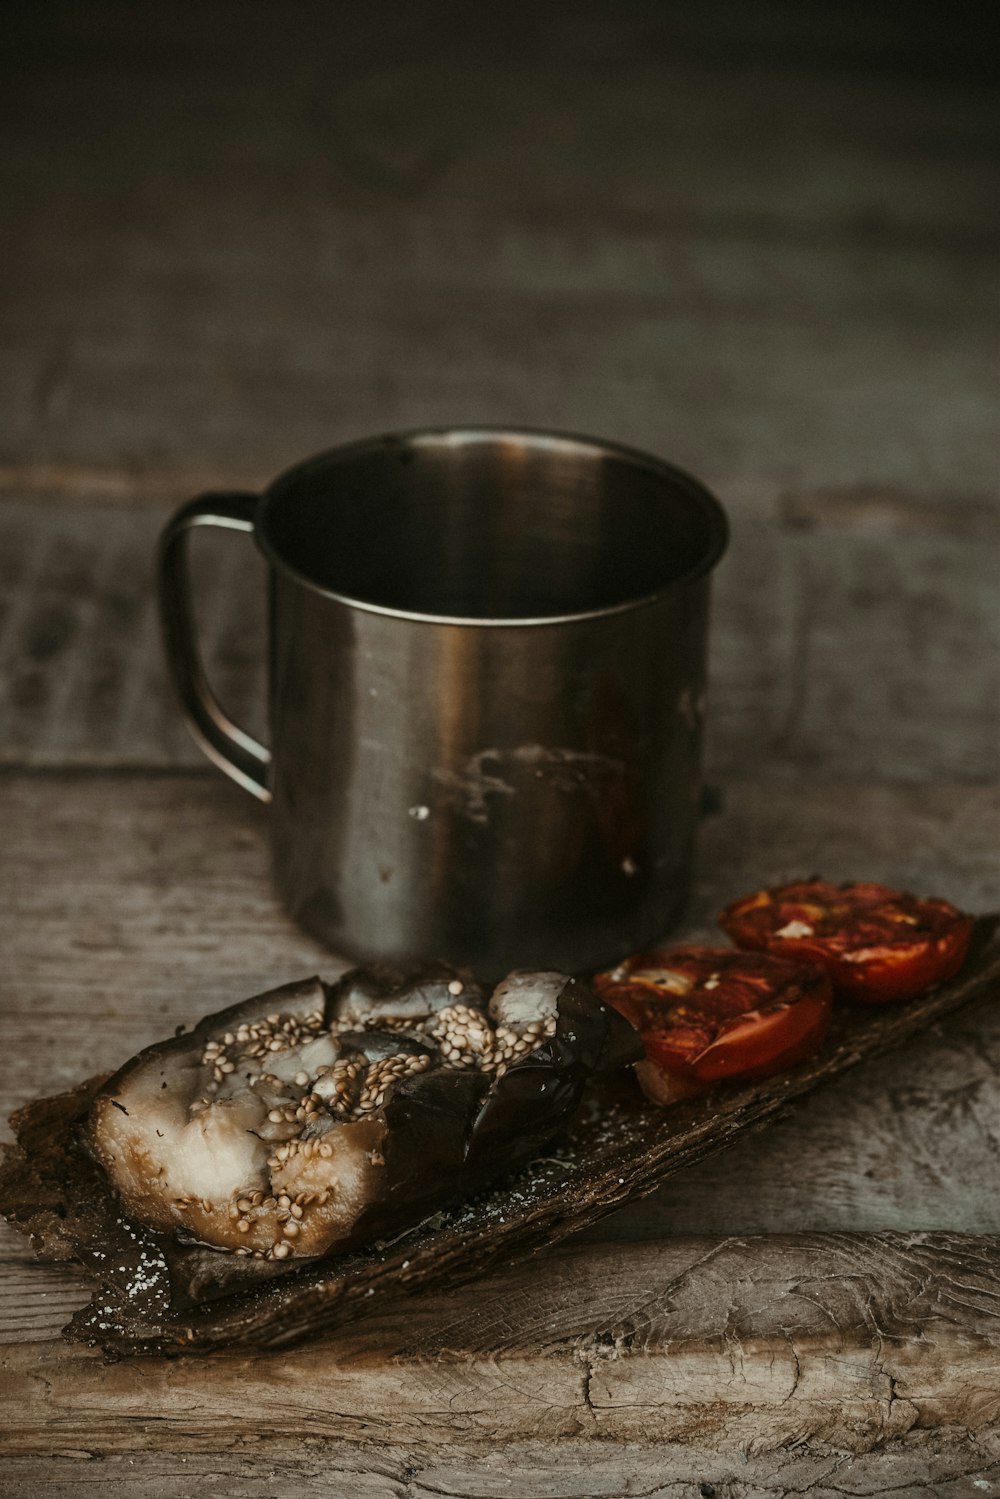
[(315, 1117), (160, 1296)]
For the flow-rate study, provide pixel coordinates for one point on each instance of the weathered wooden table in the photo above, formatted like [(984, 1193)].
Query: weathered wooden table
[(240, 233)]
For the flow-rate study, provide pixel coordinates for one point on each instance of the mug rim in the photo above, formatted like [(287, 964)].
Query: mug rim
[(713, 513)]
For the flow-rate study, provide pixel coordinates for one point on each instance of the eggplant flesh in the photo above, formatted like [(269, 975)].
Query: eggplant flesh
[(314, 1116)]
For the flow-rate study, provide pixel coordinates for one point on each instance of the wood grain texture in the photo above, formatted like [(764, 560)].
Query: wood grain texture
[(708, 237), (855, 637), (920, 1464), (848, 1340)]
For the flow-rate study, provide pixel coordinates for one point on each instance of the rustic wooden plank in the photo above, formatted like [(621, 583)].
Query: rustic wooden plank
[(81, 666), (786, 1348), (140, 903), (726, 394), (845, 652), (863, 646), (845, 1339), (764, 270), (921, 1463)]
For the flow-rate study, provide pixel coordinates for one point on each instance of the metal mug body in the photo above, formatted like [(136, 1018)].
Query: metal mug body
[(487, 683)]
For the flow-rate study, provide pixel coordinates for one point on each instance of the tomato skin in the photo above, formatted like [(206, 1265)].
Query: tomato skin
[(759, 1045), (878, 945), (708, 1014)]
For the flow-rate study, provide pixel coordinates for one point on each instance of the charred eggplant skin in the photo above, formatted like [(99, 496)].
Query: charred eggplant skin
[(533, 1100), (451, 1132), (440, 1134)]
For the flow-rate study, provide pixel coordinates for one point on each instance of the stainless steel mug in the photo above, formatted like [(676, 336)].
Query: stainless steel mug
[(487, 675)]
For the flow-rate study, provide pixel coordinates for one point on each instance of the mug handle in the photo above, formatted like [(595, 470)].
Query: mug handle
[(239, 755)]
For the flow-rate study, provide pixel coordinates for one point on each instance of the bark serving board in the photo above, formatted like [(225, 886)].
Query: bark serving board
[(619, 1148)]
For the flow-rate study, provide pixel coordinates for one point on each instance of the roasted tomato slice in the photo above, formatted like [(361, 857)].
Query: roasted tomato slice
[(710, 1013), (876, 944)]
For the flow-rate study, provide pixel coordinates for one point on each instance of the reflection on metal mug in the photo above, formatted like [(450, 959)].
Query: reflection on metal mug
[(487, 670)]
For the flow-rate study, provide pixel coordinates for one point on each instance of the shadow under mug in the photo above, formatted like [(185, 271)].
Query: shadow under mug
[(487, 667)]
